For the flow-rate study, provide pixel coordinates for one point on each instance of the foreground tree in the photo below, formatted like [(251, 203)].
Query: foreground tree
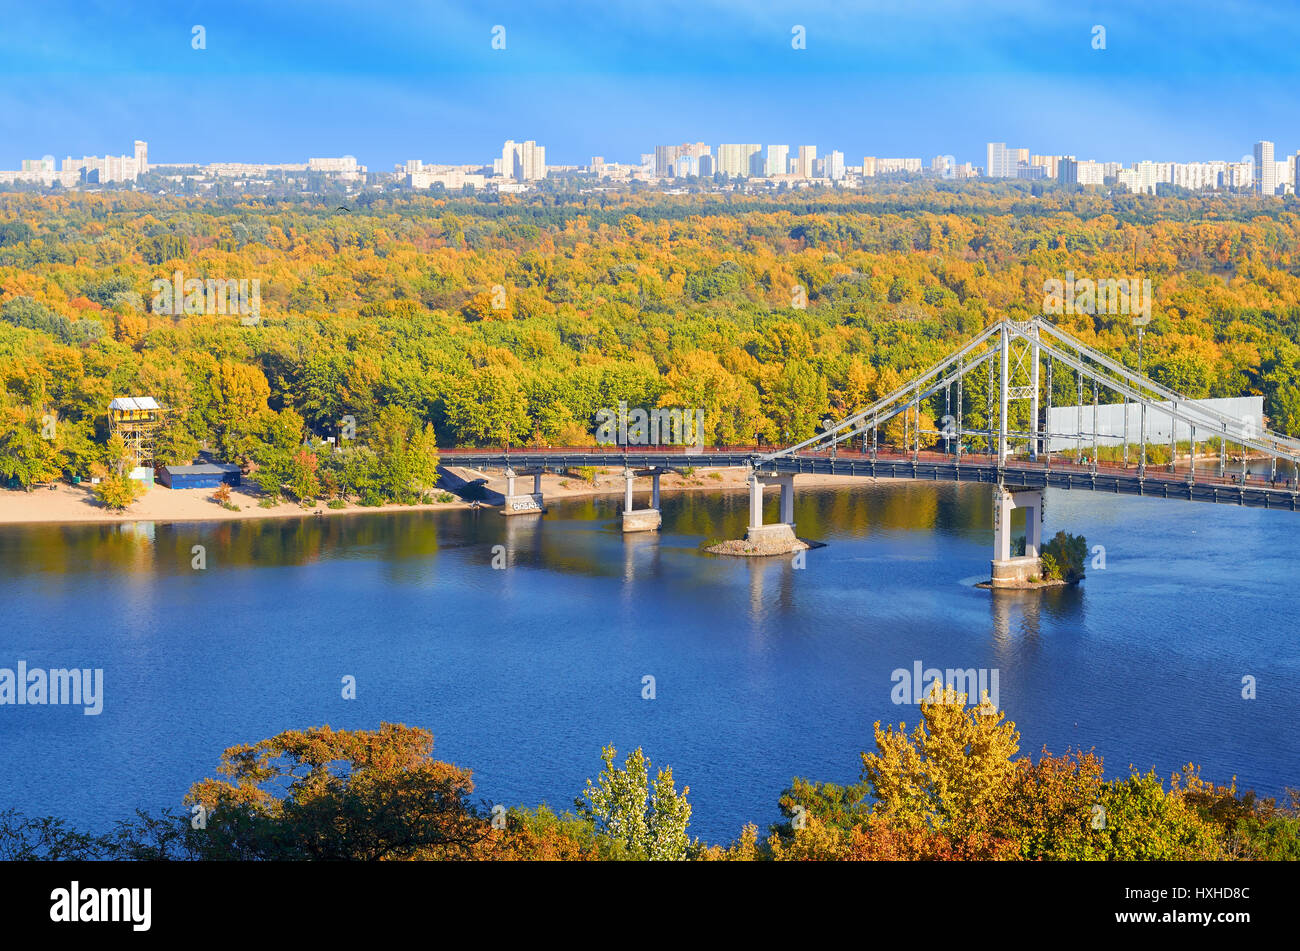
[(116, 489), (649, 820), (338, 794), (957, 762)]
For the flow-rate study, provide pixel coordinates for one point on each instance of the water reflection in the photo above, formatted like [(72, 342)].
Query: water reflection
[(771, 586)]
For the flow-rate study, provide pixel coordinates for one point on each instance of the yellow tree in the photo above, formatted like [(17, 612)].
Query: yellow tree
[(956, 763), (241, 408)]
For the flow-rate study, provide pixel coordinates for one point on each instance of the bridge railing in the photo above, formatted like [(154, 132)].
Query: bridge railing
[(1062, 462), (612, 451)]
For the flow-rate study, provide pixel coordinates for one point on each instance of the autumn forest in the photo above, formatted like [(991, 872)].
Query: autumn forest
[(441, 321)]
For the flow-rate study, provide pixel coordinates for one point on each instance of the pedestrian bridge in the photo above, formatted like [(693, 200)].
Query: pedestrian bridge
[(993, 397)]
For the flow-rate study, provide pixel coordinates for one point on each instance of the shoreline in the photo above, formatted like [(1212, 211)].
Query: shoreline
[(75, 504)]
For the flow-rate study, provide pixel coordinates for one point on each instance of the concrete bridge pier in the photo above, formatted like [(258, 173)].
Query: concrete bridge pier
[(779, 534), (526, 503), (1011, 571), (642, 520)]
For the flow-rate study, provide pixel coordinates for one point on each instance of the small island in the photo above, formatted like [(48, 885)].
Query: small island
[(1061, 563)]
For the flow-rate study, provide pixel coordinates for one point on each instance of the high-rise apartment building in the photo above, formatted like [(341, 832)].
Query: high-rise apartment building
[(736, 160), (665, 162), (806, 167), (778, 160), (141, 156), (1071, 171), (1265, 182), (868, 166), (669, 159), (1049, 162), (533, 159), (345, 167), (521, 161), (835, 166), (1001, 161), (510, 164)]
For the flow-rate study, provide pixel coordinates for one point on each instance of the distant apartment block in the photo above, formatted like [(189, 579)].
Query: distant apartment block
[(1050, 164), (1265, 177), (89, 169), (679, 161), (521, 161), (807, 161), (620, 171), (1142, 178), (737, 161), (450, 177), (1071, 171), (778, 160), (894, 166), (1001, 161), (250, 169), (344, 168)]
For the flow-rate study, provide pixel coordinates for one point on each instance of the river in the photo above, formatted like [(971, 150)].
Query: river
[(762, 670)]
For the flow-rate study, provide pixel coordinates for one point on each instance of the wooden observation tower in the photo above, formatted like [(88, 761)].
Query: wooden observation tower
[(136, 419)]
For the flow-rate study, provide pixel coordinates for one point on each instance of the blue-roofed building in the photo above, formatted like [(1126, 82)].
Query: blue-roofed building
[(205, 475)]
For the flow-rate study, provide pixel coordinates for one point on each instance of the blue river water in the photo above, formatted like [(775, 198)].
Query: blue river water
[(762, 670)]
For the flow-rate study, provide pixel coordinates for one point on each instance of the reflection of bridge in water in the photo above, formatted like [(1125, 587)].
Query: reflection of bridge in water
[(996, 394)]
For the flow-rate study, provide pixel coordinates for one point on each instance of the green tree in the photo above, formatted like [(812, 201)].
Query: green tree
[(490, 407), (28, 453), (406, 454), (649, 819), (1064, 557), (1143, 822), (797, 400)]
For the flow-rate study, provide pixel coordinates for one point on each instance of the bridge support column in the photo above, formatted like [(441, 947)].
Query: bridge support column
[(779, 537), (755, 502), (641, 520), (517, 503), (1014, 571)]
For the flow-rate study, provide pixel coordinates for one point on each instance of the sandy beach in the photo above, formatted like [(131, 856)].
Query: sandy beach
[(76, 503)]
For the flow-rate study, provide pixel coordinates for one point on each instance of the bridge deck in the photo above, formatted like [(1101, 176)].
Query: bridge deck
[(1255, 491)]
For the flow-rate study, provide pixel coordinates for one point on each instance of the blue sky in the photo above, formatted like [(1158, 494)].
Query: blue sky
[(388, 81)]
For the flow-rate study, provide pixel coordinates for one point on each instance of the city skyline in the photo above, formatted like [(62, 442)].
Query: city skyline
[(401, 81), (522, 165)]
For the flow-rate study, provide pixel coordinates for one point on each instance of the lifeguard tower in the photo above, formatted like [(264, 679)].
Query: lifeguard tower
[(136, 419)]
